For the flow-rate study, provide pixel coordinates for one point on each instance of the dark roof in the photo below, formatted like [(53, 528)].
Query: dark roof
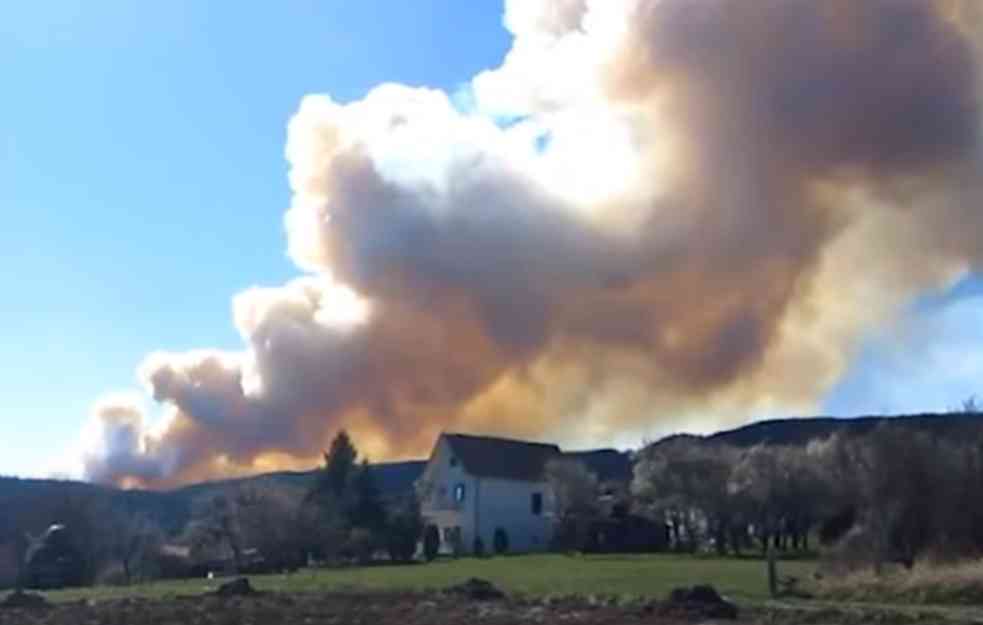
[(609, 465), (483, 456)]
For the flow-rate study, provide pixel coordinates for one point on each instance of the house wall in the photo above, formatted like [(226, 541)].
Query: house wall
[(488, 503), (508, 504), (440, 508)]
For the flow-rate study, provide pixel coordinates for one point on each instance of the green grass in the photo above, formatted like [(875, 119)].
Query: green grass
[(651, 576)]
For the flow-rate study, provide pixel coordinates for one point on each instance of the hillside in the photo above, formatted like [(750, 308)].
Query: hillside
[(172, 509), (802, 430)]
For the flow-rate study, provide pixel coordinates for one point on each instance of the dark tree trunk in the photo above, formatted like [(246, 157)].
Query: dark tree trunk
[(720, 538), (735, 540), (772, 574)]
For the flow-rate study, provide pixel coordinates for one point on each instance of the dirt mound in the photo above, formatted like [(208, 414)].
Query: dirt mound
[(24, 600), (477, 590), (236, 588), (699, 602)]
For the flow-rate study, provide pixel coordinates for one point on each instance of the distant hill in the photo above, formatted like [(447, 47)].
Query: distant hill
[(172, 509), (803, 430), (392, 478), (396, 478)]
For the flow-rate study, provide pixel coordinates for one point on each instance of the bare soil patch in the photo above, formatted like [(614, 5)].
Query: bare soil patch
[(348, 608), (431, 608)]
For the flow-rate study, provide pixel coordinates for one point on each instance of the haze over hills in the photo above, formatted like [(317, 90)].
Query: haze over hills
[(171, 509)]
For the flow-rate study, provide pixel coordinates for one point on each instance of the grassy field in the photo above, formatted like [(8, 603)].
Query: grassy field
[(953, 584), (642, 576)]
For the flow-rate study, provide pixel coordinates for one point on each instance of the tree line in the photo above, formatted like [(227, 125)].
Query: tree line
[(82, 536), (895, 494)]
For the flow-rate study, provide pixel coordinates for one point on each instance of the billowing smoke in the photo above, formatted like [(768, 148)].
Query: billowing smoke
[(655, 213)]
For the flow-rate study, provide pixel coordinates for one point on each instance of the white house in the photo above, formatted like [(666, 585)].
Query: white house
[(475, 484)]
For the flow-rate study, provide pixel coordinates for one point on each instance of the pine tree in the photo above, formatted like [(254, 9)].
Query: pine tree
[(366, 509), (339, 468)]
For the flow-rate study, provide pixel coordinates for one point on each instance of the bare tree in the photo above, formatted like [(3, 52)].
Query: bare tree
[(784, 492), (907, 489), (269, 520), (688, 480), (214, 530), (135, 541), (574, 492), (574, 488), (970, 405)]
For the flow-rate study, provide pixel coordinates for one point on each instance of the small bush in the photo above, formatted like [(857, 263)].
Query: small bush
[(571, 535), (431, 543), (402, 537), (501, 541), (360, 545), (457, 545), (112, 575), (479, 547)]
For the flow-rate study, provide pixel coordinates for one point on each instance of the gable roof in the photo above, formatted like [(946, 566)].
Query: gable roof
[(609, 465), (484, 456)]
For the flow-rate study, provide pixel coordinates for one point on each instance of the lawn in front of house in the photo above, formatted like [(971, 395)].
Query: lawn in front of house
[(651, 576)]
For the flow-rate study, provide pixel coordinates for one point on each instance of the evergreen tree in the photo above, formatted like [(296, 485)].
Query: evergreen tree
[(339, 467), (365, 509)]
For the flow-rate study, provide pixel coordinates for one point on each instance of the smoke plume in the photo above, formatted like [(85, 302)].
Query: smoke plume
[(654, 213)]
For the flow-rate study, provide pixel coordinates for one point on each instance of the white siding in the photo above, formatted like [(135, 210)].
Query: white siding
[(508, 504), (488, 503), (441, 508)]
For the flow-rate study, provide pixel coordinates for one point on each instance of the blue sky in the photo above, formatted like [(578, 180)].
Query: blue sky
[(141, 155), (930, 362)]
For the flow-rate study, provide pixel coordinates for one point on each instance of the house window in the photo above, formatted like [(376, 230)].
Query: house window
[(459, 492), (537, 503), (453, 461)]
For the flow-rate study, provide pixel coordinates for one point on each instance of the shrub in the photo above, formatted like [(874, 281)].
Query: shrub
[(401, 543), (170, 566), (431, 543), (360, 545), (404, 532), (112, 575), (457, 544), (479, 547), (501, 541), (571, 535)]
